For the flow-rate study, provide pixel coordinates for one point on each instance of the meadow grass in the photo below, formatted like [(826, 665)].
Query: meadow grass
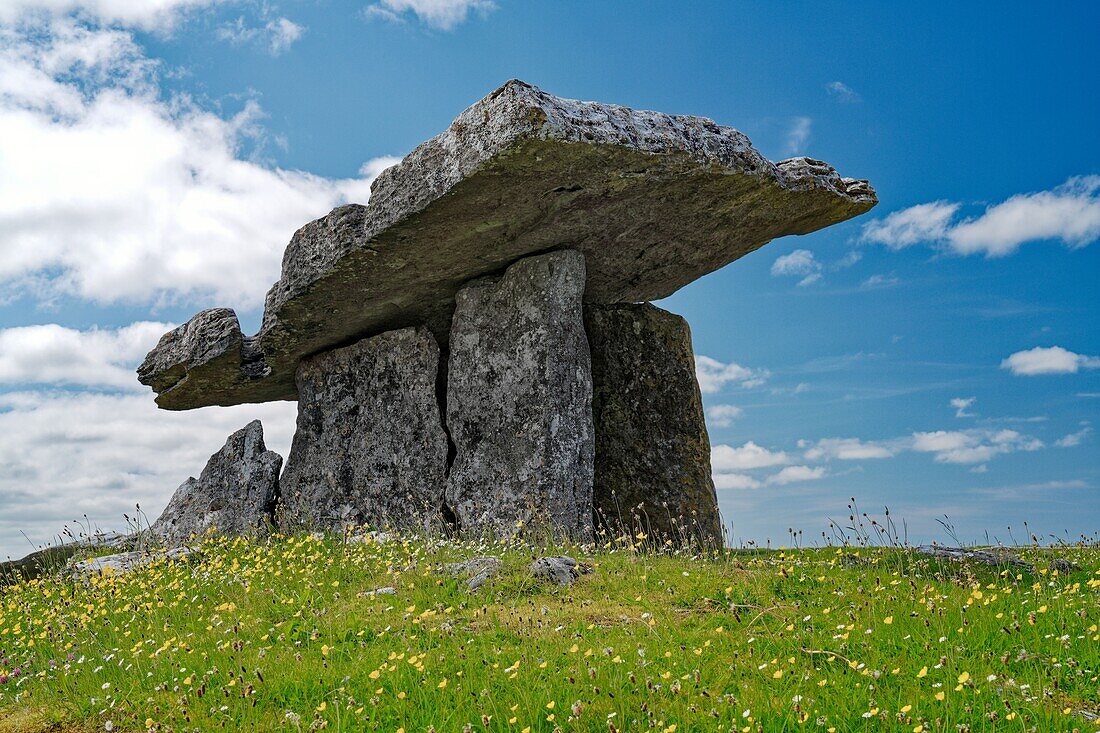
[(282, 634)]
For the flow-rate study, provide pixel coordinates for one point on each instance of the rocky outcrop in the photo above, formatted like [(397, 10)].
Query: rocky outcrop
[(369, 446), (654, 201), (125, 562), (652, 471), (519, 396), (234, 495)]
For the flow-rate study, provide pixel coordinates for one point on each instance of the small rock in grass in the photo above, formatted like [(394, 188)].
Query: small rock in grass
[(563, 570), (477, 570)]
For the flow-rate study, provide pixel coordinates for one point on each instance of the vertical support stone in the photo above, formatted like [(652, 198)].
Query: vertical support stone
[(369, 446), (652, 450), (519, 401)]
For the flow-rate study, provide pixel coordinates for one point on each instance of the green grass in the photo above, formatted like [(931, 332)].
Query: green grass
[(279, 635)]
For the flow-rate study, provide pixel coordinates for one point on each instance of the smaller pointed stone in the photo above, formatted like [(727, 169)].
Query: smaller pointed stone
[(234, 495)]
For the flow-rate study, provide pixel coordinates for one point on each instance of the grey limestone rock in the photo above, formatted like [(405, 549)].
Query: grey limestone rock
[(562, 570), (652, 450), (519, 397), (369, 446), (234, 495), (477, 570), (654, 201), (125, 562)]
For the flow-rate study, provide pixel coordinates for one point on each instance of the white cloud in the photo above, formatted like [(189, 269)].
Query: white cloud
[(971, 446), (713, 375), (735, 481), (52, 354), (722, 416), (144, 14), (921, 223), (441, 14), (155, 203), (1048, 360), (66, 454), (798, 134), (1069, 213), (793, 474), (1073, 440), (842, 92), (847, 449), (962, 404), (800, 263), (879, 281), (726, 458), (277, 35)]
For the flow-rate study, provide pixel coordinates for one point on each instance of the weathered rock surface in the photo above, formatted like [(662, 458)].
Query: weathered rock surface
[(234, 495), (369, 446), (562, 570), (477, 570), (519, 397), (652, 450), (124, 562), (654, 201)]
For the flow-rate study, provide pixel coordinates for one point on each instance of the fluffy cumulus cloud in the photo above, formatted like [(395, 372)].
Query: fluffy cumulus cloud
[(971, 446), (52, 354), (845, 449), (143, 14), (722, 416), (112, 193), (1069, 213), (1048, 360), (726, 458), (801, 264), (68, 454), (962, 404), (714, 375), (440, 14)]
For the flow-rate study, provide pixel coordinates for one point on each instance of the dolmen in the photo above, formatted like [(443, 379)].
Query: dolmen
[(475, 348)]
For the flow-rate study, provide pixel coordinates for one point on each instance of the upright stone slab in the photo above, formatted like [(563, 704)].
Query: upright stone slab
[(234, 495), (519, 401), (369, 446), (652, 450)]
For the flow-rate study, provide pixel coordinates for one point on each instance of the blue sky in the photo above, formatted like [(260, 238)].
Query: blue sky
[(156, 157)]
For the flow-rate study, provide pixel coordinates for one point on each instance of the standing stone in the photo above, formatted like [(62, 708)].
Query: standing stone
[(652, 449), (519, 401), (235, 494), (369, 446)]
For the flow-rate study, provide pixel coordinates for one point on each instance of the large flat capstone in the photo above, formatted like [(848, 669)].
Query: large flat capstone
[(519, 396), (369, 446), (654, 201), (234, 495), (652, 449)]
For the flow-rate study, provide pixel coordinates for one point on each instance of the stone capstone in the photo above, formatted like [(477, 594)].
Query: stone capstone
[(234, 495), (370, 446), (519, 393), (653, 201), (652, 470)]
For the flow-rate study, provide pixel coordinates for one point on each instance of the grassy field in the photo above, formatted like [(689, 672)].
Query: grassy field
[(283, 635)]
